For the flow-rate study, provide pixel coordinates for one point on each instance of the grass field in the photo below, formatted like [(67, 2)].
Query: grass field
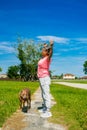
[(71, 107), (70, 110), (9, 102)]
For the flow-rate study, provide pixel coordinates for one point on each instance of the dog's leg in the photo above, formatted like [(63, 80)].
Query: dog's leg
[(20, 103), (29, 104), (29, 99), (23, 103)]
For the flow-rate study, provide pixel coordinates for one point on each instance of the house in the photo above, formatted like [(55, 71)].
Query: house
[(84, 77), (3, 76), (68, 76)]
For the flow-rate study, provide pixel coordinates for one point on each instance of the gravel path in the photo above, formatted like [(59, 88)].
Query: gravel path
[(76, 85), (31, 120)]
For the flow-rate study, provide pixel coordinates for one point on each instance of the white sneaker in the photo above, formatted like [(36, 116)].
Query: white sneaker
[(46, 114), (40, 110)]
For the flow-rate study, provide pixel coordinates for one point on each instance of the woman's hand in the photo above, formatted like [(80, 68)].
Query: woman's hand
[(51, 42)]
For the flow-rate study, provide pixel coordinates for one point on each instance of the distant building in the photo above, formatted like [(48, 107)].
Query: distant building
[(84, 77), (3, 76), (68, 76)]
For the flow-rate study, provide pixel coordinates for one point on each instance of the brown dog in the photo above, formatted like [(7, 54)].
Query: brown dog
[(25, 97)]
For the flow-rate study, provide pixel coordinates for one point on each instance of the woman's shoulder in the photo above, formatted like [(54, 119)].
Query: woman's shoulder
[(46, 58)]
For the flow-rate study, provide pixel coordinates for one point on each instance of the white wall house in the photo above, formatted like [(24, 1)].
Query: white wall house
[(68, 76), (3, 76)]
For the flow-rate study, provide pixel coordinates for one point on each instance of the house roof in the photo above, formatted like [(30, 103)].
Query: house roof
[(68, 74), (84, 77)]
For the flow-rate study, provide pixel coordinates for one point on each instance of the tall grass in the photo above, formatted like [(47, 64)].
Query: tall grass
[(71, 107), (9, 101)]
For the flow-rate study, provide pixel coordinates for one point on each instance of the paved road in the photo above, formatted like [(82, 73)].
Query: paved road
[(75, 85)]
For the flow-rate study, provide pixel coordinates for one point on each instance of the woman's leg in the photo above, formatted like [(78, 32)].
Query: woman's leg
[(45, 87)]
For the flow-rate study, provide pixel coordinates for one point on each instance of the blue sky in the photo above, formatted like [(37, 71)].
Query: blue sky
[(64, 21)]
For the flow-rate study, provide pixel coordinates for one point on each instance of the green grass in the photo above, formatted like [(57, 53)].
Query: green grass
[(71, 107), (9, 101), (70, 110), (71, 81)]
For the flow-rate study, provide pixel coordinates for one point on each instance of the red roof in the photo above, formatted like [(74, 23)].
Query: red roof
[(84, 77), (68, 74)]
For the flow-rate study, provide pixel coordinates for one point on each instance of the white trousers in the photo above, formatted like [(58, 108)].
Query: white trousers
[(45, 88)]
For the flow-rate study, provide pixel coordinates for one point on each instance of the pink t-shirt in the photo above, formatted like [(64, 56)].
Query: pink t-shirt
[(43, 67)]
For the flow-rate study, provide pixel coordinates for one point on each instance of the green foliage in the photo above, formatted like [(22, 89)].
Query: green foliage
[(0, 69), (85, 67), (61, 76), (28, 53), (9, 101), (71, 107), (13, 72)]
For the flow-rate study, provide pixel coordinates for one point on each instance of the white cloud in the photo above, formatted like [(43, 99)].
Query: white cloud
[(56, 54), (54, 38), (71, 49), (62, 39), (4, 43), (6, 47), (81, 40)]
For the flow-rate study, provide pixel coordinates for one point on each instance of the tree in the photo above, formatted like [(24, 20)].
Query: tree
[(61, 76), (85, 67), (28, 53), (0, 69), (13, 72)]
